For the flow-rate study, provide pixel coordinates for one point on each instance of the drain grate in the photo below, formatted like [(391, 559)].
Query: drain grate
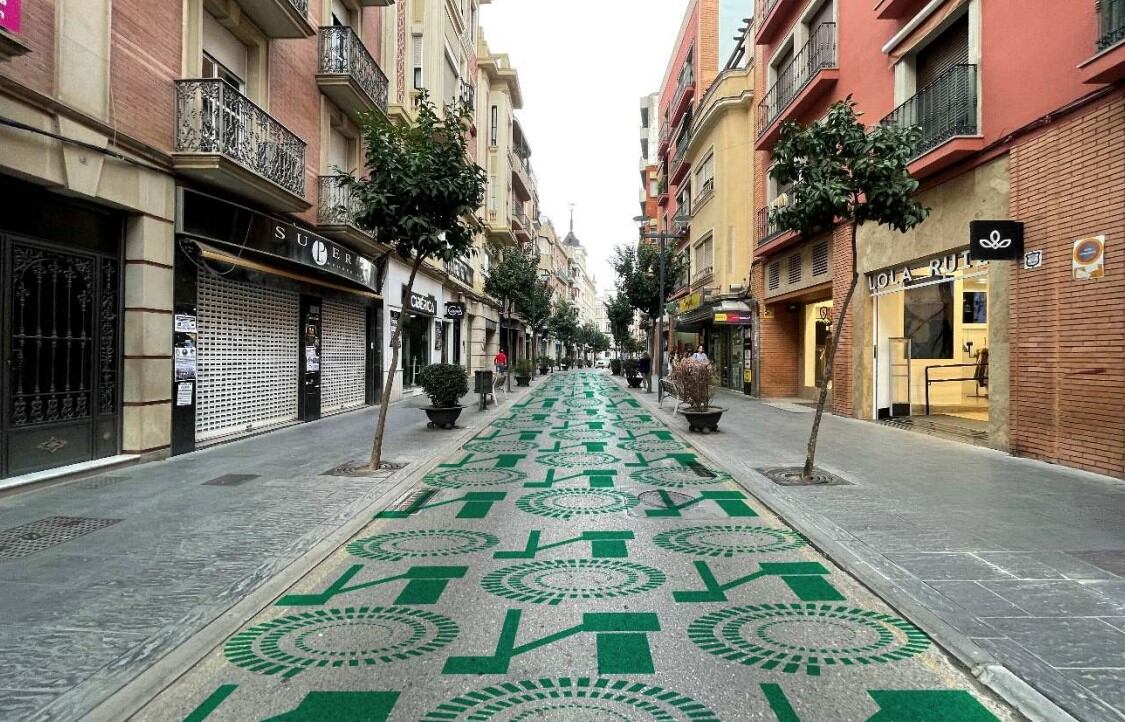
[(359, 468), (663, 499), (412, 500), (23, 540), (701, 471), (98, 482), (791, 476), (231, 480)]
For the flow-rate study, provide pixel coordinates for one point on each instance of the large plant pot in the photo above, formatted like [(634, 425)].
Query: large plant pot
[(442, 417), (523, 380), (543, 370), (634, 382), (703, 420)]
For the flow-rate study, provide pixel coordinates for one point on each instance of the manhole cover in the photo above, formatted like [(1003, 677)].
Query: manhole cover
[(791, 476), (231, 480), (359, 468), (663, 499), (23, 540)]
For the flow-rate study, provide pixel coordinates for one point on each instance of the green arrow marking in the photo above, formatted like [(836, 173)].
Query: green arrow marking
[(341, 707), (425, 585), (731, 502), (598, 479), (499, 461), (906, 705), (475, 505), (603, 545), (805, 579)]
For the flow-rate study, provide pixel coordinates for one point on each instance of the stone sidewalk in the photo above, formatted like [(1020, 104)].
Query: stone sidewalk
[(171, 546), (1009, 563)]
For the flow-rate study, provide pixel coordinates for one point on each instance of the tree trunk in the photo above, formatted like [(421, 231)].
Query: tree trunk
[(396, 343), (829, 365), (511, 350)]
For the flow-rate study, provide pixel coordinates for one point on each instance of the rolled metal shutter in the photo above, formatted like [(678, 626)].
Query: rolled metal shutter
[(343, 370), (248, 358)]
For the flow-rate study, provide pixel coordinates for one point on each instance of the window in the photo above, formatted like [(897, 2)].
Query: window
[(494, 125), (948, 49), (974, 307), (928, 321), (644, 118), (224, 55), (452, 79), (705, 178), (214, 69), (683, 201), (704, 258), (341, 14), (418, 57)]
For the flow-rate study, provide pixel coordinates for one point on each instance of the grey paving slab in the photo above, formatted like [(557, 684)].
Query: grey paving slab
[(939, 566), (1078, 642), (1105, 683), (572, 565), (981, 600), (1055, 598)]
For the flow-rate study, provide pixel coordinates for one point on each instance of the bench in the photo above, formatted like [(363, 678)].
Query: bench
[(668, 388)]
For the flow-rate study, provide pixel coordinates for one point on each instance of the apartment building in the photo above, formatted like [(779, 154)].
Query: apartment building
[(169, 181), (583, 284), (1018, 353), (649, 162)]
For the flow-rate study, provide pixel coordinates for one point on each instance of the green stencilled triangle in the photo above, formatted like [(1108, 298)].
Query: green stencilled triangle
[(341, 707), (596, 478), (928, 705), (603, 545), (805, 579)]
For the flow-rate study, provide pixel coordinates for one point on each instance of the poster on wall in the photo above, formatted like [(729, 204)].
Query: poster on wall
[(184, 391), (1088, 259), (185, 362)]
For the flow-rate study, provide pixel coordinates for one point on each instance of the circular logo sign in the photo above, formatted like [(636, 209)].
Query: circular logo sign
[(1088, 250), (319, 253)]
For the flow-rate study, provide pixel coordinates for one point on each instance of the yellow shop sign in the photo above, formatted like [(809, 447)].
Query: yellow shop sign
[(689, 302)]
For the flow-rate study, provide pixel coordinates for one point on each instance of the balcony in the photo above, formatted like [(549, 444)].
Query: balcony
[(767, 229), (704, 194), (522, 179), (898, 9), (681, 101), (521, 225), (336, 211), (810, 73), (679, 162), (1108, 63), (224, 139), (665, 137), (662, 198), (946, 112), (280, 18), (349, 75), (771, 21), (702, 275), (461, 271)]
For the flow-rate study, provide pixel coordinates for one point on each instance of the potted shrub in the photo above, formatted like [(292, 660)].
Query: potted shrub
[(632, 374), (445, 384), (695, 382), (523, 372), (565, 363), (615, 366), (544, 365)]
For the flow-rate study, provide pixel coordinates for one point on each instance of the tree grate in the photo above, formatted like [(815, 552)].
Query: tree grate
[(231, 480), (791, 476), (22, 541), (359, 469)]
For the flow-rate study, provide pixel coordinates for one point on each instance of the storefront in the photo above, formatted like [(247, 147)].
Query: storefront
[(931, 329), (816, 333), (690, 326), (419, 326), (732, 345), (273, 324), (454, 348)]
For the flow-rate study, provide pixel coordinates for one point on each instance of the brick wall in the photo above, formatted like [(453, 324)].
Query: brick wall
[(1068, 336), (35, 69), (145, 61), (841, 279), (779, 343)]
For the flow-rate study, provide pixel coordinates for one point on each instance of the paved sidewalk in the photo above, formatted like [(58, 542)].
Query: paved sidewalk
[(83, 617), (1005, 560)]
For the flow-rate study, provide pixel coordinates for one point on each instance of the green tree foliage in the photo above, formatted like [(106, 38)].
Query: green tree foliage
[(535, 305), (419, 196), (842, 172), (638, 274), (620, 314), (514, 270), (564, 323)]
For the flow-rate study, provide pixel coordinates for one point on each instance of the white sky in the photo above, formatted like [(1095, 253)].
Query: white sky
[(583, 66)]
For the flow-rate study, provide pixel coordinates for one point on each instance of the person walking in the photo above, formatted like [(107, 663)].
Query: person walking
[(644, 366), (700, 354), (501, 362)]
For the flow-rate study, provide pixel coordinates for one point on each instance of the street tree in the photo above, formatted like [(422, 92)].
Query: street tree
[(535, 305), (564, 324), (620, 314), (587, 337), (420, 196), (841, 172), (638, 276), (514, 269)]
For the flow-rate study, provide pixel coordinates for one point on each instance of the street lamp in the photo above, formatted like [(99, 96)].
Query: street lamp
[(661, 237)]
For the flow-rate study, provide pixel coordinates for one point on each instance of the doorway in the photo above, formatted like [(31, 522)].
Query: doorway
[(415, 347)]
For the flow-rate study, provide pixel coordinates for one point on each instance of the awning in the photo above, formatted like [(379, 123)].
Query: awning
[(732, 313), (244, 260)]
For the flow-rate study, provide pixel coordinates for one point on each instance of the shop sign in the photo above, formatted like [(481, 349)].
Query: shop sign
[(454, 310), (204, 216), (995, 240), (941, 266), (419, 303), (395, 316), (689, 302), (735, 318), (10, 15), (1088, 259)]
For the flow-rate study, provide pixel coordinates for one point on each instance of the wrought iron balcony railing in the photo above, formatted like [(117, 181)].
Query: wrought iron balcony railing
[(817, 54), (336, 206), (765, 11), (1111, 22), (702, 274), (343, 53), (523, 220), (214, 118), (767, 229), (944, 109), (460, 270), (467, 94)]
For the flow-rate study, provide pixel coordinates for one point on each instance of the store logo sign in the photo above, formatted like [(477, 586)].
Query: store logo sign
[(995, 240), (419, 303), (454, 310), (10, 15), (319, 253)]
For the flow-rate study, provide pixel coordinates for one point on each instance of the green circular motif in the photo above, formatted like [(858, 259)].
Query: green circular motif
[(522, 423), (569, 503), (583, 434), (652, 446), (457, 478), (806, 637), (728, 540), (333, 638), (421, 543), (499, 446), (677, 477), (567, 459), (554, 581), (569, 699)]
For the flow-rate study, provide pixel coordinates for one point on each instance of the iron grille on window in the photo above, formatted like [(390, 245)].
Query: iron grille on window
[(795, 268), (944, 109), (820, 259), (775, 275), (816, 55), (212, 117), (1111, 22), (343, 53)]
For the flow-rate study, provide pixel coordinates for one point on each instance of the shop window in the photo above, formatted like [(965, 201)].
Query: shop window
[(452, 79), (775, 275), (928, 321), (820, 259), (795, 268), (974, 307)]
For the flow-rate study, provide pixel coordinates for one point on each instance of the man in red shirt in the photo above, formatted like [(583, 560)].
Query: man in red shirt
[(501, 362)]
